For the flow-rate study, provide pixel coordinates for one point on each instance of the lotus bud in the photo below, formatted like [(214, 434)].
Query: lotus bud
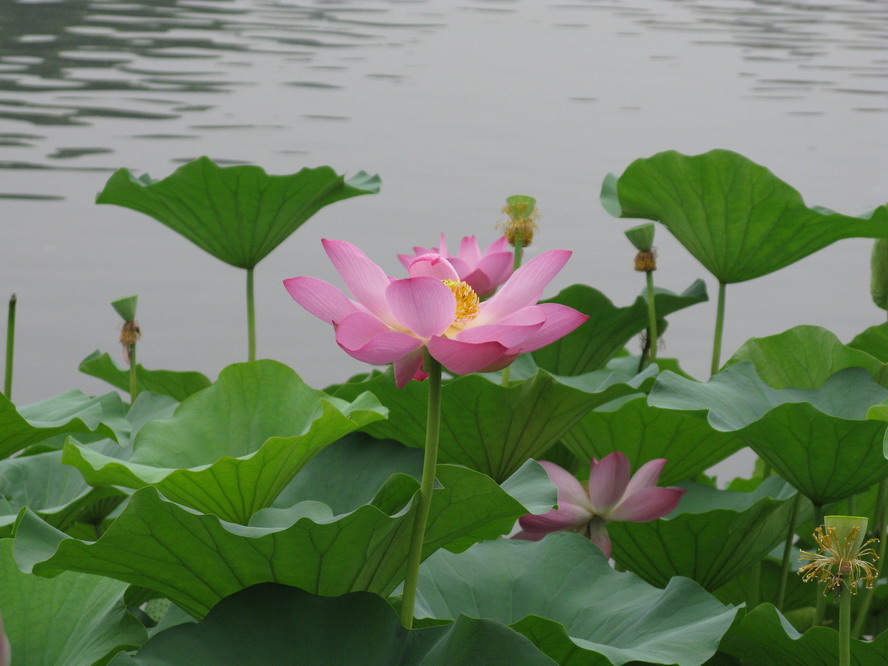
[(642, 237), (879, 273), (522, 222)]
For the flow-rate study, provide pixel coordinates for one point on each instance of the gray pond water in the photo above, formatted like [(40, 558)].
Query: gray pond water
[(455, 106)]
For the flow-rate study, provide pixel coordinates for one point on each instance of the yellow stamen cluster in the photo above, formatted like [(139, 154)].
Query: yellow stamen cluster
[(646, 261), (130, 333), (835, 563), (520, 223), (467, 302)]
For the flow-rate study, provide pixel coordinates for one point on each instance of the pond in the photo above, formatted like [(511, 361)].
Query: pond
[(455, 106)]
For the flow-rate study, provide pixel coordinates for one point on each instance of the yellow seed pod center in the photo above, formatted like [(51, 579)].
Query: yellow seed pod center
[(467, 302)]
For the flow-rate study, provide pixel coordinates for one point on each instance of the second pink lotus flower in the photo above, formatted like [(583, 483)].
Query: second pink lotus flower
[(392, 321), (612, 494)]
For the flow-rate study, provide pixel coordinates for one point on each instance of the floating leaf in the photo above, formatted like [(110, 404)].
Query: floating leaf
[(492, 428), (609, 327), (644, 432), (711, 537), (269, 624), (817, 439), (231, 448), (805, 357), (238, 214), (764, 636), (736, 217), (74, 619), (156, 543), (177, 385), (562, 594)]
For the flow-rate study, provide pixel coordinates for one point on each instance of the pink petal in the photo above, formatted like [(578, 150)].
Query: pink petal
[(566, 517), (607, 482), (442, 248), (365, 280), (422, 304), (648, 504), (405, 259), (498, 265), (646, 476), (598, 535), (432, 265), (367, 339), (570, 491), (461, 358), (525, 287), (501, 244), (513, 333), (320, 298), (469, 250), (409, 367), (560, 320)]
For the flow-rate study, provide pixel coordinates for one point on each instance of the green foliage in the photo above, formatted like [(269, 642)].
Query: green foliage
[(177, 385)]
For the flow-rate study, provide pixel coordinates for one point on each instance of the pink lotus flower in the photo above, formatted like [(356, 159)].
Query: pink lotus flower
[(391, 321), (612, 494), (483, 272)]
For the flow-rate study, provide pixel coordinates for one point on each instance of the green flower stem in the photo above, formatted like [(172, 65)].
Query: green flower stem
[(10, 347), (882, 533), (429, 463), (719, 327), (820, 601), (787, 549), (251, 318), (133, 381), (652, 317), (519, 251), (753, 596), (845, 626)]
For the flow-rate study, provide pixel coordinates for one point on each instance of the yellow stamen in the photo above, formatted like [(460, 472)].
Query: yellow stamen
[(467, 302), (835, 563), (520, 224)]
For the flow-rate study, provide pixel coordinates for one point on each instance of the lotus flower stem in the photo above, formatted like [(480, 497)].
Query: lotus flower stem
[(652, 317), (251, 318), (719, 327), (430, 461), (787, 549), (845, 626), (133, 378), (10, 347), (518, 244), (882, 533)]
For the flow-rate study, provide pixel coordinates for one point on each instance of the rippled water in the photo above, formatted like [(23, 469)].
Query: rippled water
[(456, 107)]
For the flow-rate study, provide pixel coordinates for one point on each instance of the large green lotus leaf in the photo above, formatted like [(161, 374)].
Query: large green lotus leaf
[(711, 537), (873, 341), (644, 432), (737, 218), (492, 428), (231, 448), (609, 327), (75, 619), (57, 493), (70, 412), (805, 357), (817, 439), (195, 560), (269, 624), (764, 636), (238, 214), (177, 385), (562, 594)]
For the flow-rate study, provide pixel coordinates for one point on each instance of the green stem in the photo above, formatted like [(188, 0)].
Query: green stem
[(430, 461), (652, 317), (820, 602), (880, 526), (845, 626), (755, 585), (251, 318), (719, 327), (133, 380), (518, 244), (10, 347), (787, 549)]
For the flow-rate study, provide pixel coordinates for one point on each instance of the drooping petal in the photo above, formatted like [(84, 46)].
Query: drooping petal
[(365, 280), (422, 304), (560, 320), (525, 287), (320, 298), (570, 490), (367, 339), (646, 476), (432, 265), (566, 517), (409, 367), (598, 535), (461, 358), (607, 482), (648, 504)]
